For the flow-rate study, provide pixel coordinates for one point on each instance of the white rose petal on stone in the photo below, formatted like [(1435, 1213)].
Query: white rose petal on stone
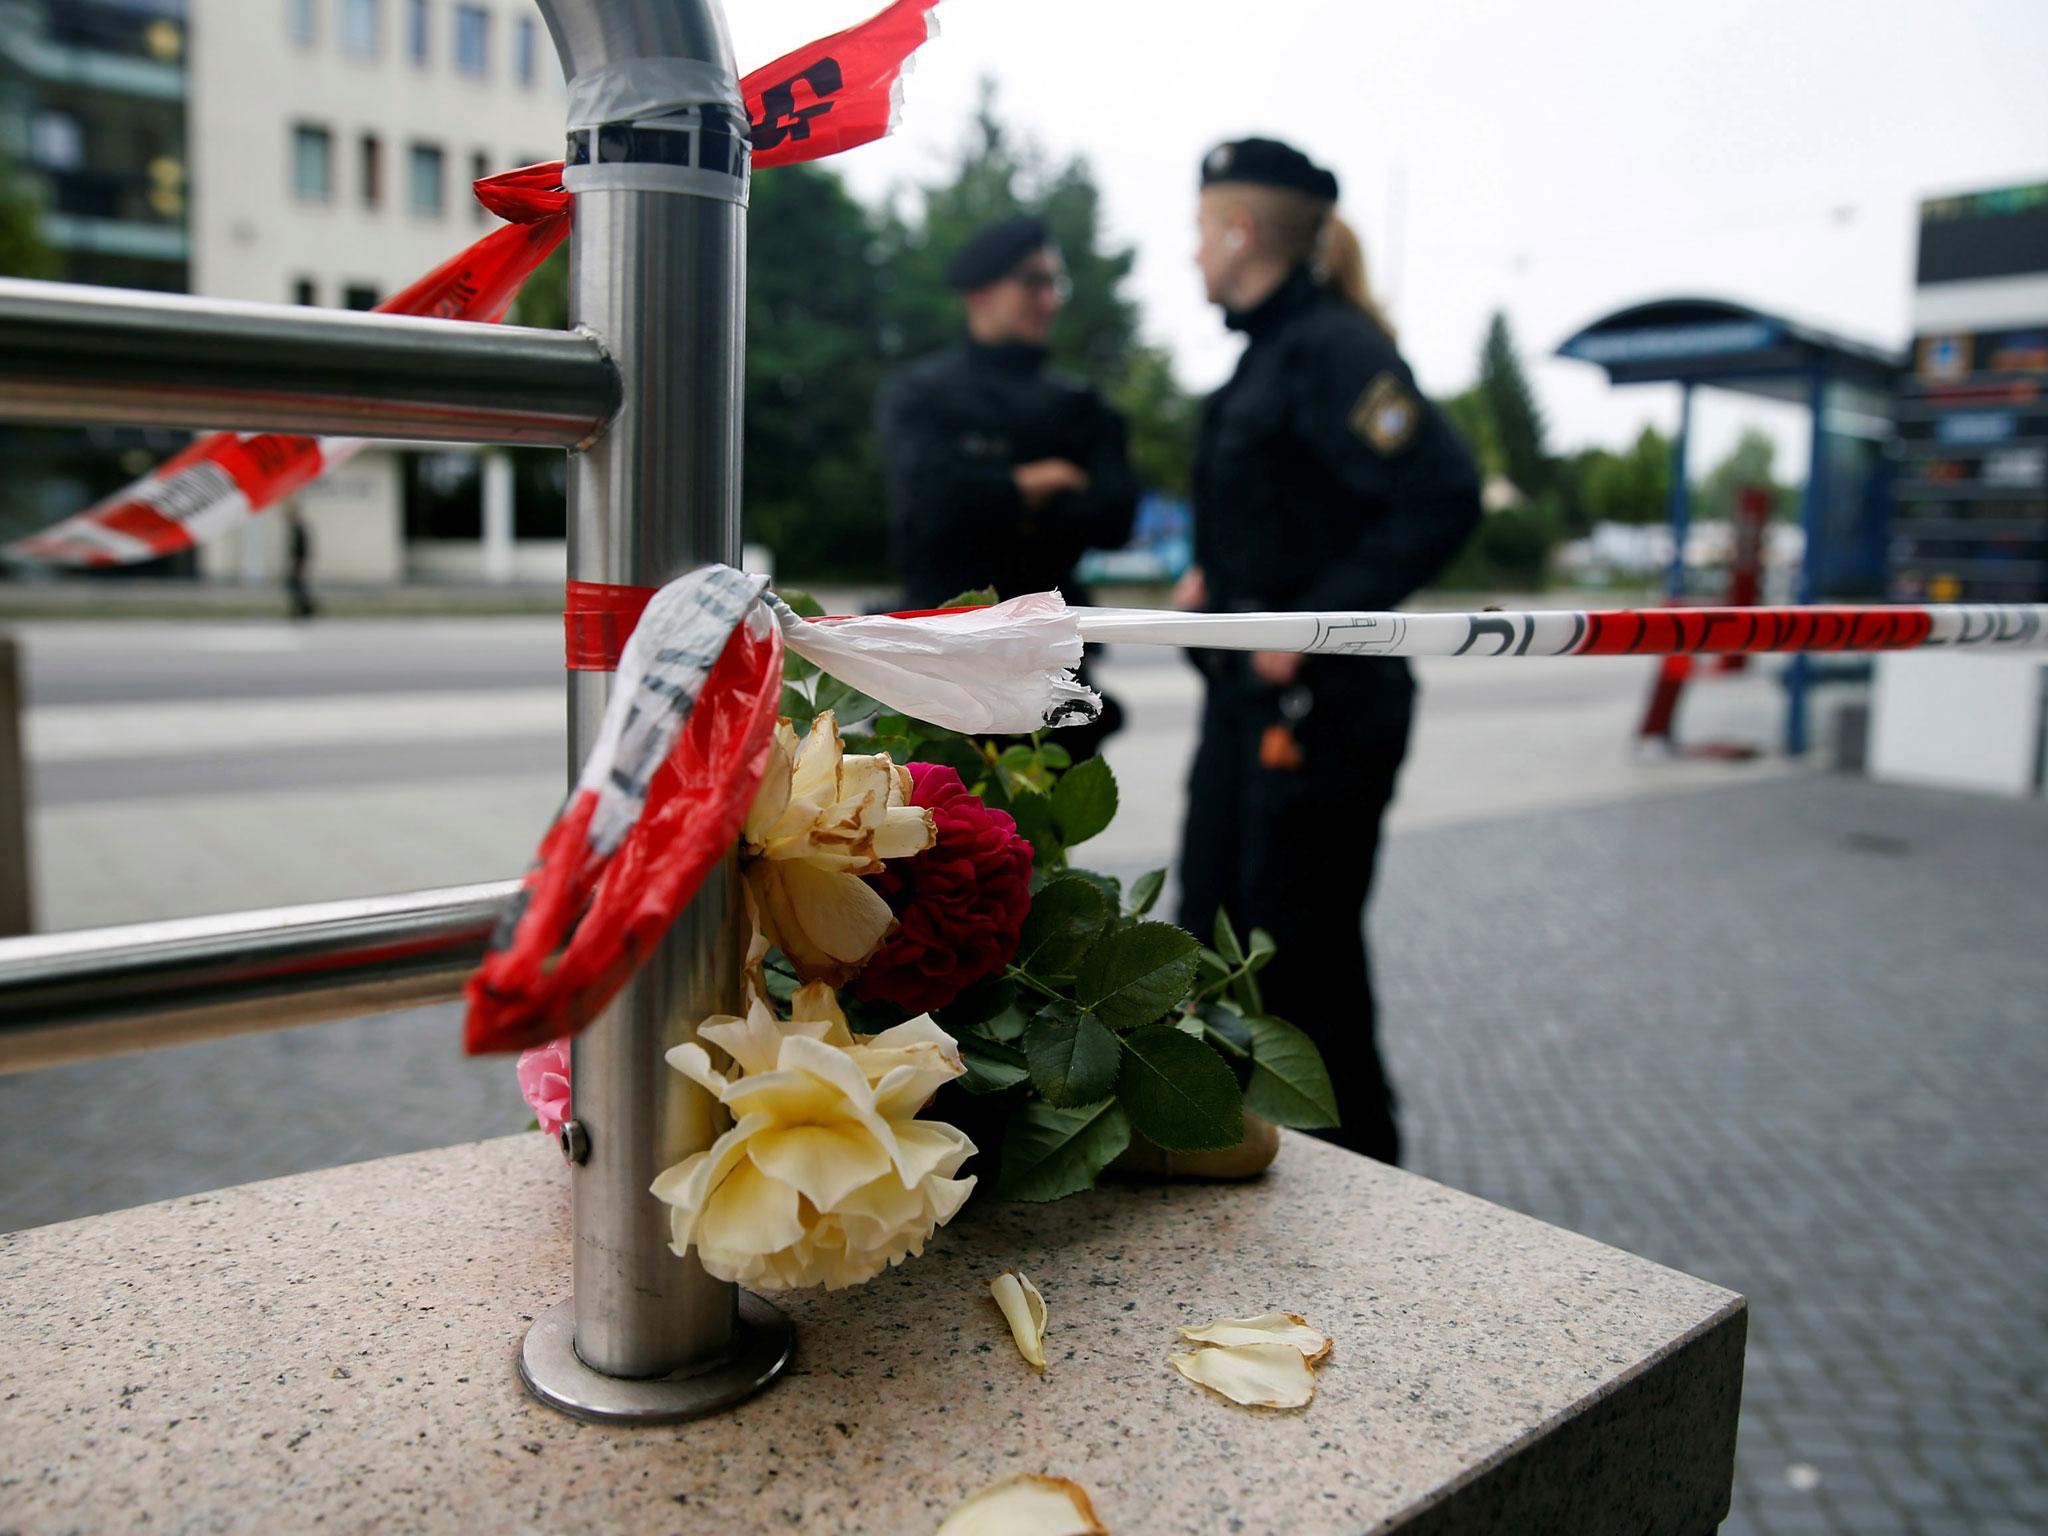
[(1029, 1504), (1255, 1375), (1271, 1328), (1024, 1310)]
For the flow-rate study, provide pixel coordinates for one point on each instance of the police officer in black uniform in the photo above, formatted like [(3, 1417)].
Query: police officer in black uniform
[(1001, 472), (1323, 480)]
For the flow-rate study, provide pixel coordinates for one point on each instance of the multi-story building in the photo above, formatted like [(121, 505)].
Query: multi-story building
[(295, 151), (93, 100), (333, 143), (92, 111)]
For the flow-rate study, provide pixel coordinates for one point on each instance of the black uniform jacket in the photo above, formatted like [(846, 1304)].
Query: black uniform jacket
[(952, 426), (1323, 479)]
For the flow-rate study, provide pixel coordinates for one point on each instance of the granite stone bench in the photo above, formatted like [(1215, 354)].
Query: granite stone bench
[(335, 1351)]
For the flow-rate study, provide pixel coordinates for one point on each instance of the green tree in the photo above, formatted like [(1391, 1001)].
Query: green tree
[(1749, 462), (1511, 405), (1162, 420), (1597, 485), (1471, 413), (817, 322), (544, 298), (23, 251)]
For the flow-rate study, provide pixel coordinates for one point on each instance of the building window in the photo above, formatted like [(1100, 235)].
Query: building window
[(523, 45), (56, 141), (312, 162), (303, 291), (301, 21), (472, 39), (372, 167), (425, 192), (360, 296), (361, 22), (479, 168), (416, 30)]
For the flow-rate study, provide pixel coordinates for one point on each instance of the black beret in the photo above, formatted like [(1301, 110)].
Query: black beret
[(1268, 163), (995, 251)]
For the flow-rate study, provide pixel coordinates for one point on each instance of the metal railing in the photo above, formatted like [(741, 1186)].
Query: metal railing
[(646, 395), (68, 997), (118, 357)]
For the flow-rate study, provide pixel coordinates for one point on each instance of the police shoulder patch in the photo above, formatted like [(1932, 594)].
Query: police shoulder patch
[(1386, 415)]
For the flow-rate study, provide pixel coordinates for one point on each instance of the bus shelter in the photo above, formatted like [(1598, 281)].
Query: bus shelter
[(1846, 388)]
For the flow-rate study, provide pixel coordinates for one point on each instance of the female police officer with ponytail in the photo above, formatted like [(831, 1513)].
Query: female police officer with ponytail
[(1322, 480)]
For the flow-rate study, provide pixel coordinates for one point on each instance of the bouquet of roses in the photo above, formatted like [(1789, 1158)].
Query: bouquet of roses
[(925, 951)]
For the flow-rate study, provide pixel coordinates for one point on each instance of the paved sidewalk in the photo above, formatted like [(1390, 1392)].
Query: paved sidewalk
[(1788, 1036)]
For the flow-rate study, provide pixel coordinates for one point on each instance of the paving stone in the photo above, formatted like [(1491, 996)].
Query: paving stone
[(1714, 1030)]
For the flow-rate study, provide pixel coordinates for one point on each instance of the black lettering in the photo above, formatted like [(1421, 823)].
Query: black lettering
[(782, 119), (1478, 625)]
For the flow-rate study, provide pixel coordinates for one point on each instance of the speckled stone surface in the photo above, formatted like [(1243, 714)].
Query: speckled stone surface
[(335, 1352)]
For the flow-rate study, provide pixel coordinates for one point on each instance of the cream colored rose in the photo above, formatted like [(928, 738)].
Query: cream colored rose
[(826, 1177), (820, 821)]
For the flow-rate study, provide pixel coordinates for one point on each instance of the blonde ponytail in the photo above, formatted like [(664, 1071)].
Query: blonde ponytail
[(1339, 266)]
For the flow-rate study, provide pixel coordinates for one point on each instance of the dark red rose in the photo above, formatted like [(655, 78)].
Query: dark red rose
[(961, 902)]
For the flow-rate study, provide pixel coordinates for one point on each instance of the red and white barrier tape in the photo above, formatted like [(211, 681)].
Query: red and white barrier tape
[(683, 746), (1564, 632), (658, 803), (226, 477), (823, 98)]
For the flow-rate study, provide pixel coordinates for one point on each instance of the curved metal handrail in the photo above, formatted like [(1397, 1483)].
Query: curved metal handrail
[(97, 992)]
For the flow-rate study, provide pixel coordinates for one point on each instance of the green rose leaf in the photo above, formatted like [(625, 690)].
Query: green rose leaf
[(1225, 1021), (1049, 1153), (1084, 800), (847, 703), (1033, 814), (991, 1066), (1065, 920), (955, 752), (1145, 891), (1225, 940), (1111, 888), (1136, 974), (1073, 1056), (890, 723), (1178, 1092), (801, 603), (1289, 1084), (797, 705), (1262, 949), (980, 597)]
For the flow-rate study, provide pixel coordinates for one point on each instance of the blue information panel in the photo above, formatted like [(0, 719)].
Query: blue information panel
[(1972, 521)]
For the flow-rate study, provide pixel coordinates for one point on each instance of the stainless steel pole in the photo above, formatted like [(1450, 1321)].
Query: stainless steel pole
[(658, 162), (73, 354)]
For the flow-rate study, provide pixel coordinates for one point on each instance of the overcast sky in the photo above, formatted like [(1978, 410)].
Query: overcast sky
[(1557, 158)]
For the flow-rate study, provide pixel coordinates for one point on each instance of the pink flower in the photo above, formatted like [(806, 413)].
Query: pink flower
[(961, 902), (544, 1080)]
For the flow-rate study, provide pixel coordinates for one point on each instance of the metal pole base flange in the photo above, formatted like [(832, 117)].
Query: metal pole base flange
[(556, 1374)]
